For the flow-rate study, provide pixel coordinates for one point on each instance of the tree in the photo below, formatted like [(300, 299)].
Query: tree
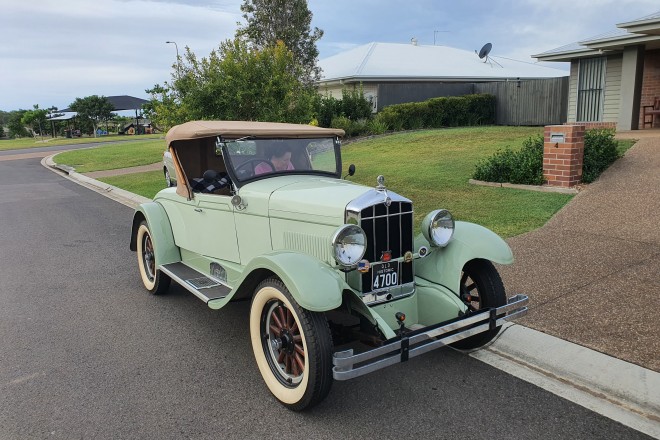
[(94, 109), (289, 21), (15, 126), (35, 118), (236, 82)]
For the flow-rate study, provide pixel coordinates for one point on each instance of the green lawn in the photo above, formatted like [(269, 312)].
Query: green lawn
[(113, 156), (432, 168), (145, 184), (23, 143)]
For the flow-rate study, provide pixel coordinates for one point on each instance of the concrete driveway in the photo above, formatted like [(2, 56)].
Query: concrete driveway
[(592, 272)]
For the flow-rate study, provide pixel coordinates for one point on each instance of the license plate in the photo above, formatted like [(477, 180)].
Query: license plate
[(384, 275)]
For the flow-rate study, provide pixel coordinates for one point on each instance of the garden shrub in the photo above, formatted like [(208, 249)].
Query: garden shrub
[(600, 151), (376, 126), (327, 108), (524, 166), (439, 112)]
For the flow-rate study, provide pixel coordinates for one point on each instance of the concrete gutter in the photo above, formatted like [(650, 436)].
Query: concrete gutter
[(619, 390)]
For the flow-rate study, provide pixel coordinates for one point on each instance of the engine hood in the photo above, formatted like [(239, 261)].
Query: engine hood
[(320, 198)]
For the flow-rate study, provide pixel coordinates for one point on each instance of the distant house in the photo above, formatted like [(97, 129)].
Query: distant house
[(393, 73), (144, 128), (614, 75)]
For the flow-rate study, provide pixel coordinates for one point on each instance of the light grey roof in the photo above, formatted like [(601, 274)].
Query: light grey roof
[(376, 61), (608, 40), (654, 16), (65, 117), (614, 34)]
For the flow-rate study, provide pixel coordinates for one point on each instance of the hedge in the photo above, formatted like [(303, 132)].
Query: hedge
[(440, 112), (525, 166)]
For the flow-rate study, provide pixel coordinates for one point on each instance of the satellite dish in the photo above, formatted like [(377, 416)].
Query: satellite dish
[(483, 53)]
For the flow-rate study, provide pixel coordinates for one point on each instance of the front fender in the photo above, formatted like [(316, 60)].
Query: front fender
[(313, 284), (443, 265), (165, 250)]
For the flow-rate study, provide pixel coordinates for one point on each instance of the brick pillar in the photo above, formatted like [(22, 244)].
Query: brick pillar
[(563, 151)]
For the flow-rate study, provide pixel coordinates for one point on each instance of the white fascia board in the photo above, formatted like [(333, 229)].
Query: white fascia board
[(568, 55), (653, 22)]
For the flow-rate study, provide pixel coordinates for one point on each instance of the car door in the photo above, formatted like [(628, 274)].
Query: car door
[(211, 230)]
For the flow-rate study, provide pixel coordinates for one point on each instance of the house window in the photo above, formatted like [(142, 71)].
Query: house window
[(591, 83)]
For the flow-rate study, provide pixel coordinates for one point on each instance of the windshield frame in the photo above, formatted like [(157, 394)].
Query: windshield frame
[(239, 182)]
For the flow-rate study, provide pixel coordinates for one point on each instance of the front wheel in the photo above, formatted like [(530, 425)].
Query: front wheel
[(292, 346), (481, 287), (153, 279)]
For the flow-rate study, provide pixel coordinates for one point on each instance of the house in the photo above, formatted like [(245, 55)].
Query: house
[(392, 73), (613, 76)]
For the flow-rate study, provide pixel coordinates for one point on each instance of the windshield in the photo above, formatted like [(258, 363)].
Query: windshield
[(252, 159)]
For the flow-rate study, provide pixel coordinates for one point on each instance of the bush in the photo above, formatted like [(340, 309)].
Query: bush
[(354, 105), (600, 151), (441, 112), (524, 166), (376, 126), (327, 108)]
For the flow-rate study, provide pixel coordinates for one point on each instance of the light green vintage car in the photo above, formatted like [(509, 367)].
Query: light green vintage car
[(340, 285)]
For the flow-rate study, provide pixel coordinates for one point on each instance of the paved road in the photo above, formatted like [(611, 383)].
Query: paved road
[(46, 151), (85, 352)]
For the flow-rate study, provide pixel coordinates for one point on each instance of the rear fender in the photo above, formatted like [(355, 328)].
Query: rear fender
[(161, 232), (470, 241)]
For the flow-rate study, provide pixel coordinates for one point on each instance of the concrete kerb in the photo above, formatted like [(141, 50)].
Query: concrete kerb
[(525, 187), (622, 391), (619, 390), (122, 196)]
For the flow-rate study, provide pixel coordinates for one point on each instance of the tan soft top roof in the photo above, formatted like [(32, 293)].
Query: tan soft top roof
[(237, 129)]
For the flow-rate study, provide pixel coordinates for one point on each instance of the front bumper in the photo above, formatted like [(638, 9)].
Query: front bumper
[(347, 365)]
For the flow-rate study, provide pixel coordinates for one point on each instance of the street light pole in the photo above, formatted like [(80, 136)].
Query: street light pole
[(176, 46)]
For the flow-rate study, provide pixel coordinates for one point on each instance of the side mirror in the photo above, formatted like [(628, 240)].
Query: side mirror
[(351, 170)]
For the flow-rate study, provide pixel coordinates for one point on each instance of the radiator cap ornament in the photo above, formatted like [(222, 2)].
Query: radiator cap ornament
[(381, 182)]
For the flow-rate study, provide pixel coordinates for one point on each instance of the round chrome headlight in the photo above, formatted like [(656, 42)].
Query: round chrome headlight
[(438, 227), (349, 244)]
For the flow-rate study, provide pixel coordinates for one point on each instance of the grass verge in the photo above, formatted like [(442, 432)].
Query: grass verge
[(24, 143), (112, 157), (145, 184)]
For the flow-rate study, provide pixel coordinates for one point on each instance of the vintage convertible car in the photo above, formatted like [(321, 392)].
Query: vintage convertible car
[(339, 284)]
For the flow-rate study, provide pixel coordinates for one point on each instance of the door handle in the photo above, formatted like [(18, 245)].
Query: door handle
[(198, 209)]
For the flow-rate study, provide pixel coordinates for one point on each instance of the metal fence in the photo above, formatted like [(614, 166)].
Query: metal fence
[(524, 102)]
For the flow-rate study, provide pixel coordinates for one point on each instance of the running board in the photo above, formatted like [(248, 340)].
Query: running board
[(200, 285)]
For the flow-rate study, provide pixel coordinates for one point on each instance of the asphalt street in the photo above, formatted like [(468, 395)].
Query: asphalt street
[(86, 352)]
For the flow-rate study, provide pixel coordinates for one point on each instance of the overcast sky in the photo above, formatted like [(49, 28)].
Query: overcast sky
[(52, 51)]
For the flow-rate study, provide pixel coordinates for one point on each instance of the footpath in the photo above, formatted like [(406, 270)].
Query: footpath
[(591, 335)]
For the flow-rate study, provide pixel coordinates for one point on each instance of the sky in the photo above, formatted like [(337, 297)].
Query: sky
[(53, 51)]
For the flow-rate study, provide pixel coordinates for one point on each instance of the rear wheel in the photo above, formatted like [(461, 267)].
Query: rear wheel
[(292, 346), (153, 279), (481, 288)]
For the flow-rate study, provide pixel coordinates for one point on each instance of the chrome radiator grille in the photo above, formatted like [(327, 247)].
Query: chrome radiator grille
[(388, 228)]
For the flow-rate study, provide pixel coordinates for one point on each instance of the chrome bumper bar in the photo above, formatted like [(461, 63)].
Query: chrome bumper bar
[(347, 365)]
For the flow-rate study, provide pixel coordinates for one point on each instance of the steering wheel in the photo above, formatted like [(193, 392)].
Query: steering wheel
[(242, 172)]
